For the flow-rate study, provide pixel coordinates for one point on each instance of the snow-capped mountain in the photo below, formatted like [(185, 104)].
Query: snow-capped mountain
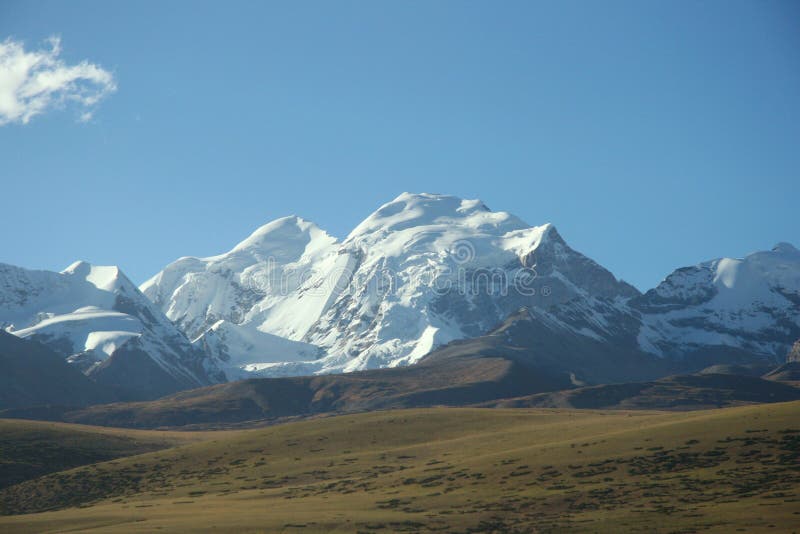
[(424, 270), (252, 306), (261, 280), (101, 323), (420, 271), (429, 269), (721, 311), (750, 305)]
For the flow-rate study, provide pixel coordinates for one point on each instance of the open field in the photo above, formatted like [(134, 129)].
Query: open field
[(33, 448), (447, 470)]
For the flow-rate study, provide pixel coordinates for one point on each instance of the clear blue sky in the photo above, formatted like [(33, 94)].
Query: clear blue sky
[(654, 134)]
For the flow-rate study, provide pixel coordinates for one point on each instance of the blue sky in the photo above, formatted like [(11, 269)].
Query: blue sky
[(653, 134)]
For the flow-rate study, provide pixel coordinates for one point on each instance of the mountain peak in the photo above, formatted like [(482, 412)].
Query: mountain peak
[(79, 267), (417, 198), (785, 247), (416, 210), (550, 233), (104, 277), (281, 232), (435, 199)]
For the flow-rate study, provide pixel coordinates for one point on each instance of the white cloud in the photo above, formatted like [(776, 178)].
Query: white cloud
[(33, 81)]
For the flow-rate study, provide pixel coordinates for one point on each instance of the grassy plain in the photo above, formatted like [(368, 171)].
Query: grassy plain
[(441, 469)]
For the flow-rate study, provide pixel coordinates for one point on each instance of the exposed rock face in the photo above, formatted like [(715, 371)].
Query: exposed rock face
[(31, 374)]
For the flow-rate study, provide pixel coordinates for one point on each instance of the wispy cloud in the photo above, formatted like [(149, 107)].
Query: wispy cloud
[(31, 82)]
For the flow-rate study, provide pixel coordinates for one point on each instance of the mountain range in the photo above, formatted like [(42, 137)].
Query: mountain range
[(424, 279)]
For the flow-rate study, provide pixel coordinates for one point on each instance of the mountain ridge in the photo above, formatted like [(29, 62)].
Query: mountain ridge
[(99, 321), (376, 302), (420, 273)]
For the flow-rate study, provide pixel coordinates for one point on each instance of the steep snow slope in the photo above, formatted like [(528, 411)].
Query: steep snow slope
[(420, 271), (433, 268), (94, 316), (260, 280), (750, 304), (251, 306), (426, 269)]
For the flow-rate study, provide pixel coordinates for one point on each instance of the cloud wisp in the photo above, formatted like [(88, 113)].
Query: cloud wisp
[(32, 82)]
